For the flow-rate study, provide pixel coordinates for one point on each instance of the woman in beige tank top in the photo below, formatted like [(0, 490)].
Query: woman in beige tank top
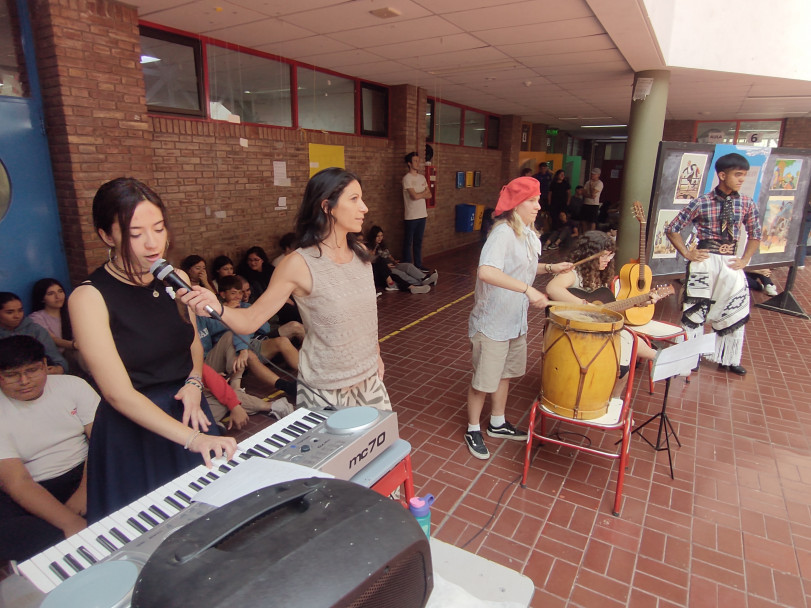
[(330, 276)]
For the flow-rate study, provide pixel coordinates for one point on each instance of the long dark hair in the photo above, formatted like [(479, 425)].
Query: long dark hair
[(371, 237), (313, 223), (590, 243), (219, 262), (38, 292), (115, 202)]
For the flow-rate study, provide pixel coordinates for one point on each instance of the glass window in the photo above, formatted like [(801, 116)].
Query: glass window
[(762, 133), (493, 129), (474, 129), (429, 120), (716, 132), (172, 72), (13, 81), (256, 89), (374, 110), (325, 102), (448, 121)]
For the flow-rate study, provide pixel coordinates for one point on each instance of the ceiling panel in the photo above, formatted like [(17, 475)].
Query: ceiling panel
[(573, 28), (351, 15), (519, 13), (428, 47), (389, 32), (304, 47), (260, 33)]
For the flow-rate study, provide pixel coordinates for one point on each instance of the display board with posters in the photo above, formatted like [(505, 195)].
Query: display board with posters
[(778, 181)]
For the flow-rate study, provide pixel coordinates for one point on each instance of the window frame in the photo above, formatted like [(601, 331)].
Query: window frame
[(697, 125), (488, 119), (149, 30), (363, 84)]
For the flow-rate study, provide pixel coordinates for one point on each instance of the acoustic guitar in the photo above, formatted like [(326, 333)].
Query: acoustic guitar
[(603, 297), (635, 278)]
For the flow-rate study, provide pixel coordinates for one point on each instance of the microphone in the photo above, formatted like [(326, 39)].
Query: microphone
[(165, 272)]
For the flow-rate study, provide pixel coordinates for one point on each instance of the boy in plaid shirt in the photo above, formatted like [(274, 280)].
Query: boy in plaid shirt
[(716, 289)]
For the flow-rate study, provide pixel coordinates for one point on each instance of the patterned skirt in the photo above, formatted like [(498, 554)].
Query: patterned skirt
[(370, 392)]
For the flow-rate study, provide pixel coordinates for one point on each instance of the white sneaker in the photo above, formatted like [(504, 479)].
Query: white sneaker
[(770, 290), (392, 287), (431, 280), (419, 288)]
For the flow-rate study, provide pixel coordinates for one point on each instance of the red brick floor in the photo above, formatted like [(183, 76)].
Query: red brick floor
[(732, 529)]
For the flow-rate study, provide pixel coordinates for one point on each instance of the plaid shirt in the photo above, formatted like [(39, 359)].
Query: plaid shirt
[(705, 213)]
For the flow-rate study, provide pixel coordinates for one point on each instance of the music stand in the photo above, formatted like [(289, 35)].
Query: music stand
[(677, 360)]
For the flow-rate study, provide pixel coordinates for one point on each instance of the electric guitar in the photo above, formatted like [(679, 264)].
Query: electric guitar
[(635, 278)]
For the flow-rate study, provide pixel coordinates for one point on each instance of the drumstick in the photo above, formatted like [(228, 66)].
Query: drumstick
[(588, 259)]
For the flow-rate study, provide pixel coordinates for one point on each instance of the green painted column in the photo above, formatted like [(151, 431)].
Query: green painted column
[(645, 129)]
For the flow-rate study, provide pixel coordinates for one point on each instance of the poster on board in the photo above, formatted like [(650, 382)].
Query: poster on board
[(691, 171), (775, 224)]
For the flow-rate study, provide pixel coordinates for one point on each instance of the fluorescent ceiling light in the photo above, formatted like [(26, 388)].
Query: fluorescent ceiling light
[(601, 126), (149, 59)]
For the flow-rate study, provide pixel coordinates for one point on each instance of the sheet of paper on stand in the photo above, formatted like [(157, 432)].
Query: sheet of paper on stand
[(682, 357), (253, 475)]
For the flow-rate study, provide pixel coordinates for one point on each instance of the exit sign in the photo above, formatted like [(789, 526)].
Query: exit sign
[(551, 131)]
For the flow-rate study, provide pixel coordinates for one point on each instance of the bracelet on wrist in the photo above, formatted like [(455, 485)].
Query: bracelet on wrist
[(526, 289), (194, 382), (191, 439), (549, 269)]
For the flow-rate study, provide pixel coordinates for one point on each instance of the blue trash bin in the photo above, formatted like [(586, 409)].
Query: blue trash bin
[(465, 217)]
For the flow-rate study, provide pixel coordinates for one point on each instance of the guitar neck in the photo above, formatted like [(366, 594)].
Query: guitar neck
[(642, 227), (627, 303)]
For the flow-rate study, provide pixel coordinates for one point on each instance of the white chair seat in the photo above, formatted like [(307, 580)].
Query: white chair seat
[(609, 419)]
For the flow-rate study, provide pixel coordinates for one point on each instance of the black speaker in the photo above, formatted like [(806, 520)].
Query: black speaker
[(310, 542)]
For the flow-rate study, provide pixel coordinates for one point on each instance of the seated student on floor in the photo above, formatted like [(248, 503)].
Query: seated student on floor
[(288, 244), (195, 266), (256, 267), (563, 229), (293, 330), (224, 401), (43, 446), (231, 354), (222, 266), (49, 309), (591, 276), (13, 322), (392, 275)]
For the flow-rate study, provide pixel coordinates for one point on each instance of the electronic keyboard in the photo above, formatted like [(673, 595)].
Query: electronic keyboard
[(340, 443)]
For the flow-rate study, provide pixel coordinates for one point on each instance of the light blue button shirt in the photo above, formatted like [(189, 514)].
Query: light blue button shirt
[(501, 314)]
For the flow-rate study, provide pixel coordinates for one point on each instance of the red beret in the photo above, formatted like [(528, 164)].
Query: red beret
[(516, 192)]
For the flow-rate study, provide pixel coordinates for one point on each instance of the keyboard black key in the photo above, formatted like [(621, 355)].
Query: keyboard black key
[(195, 486), (317, 416), (255, 453), (150, 521), (274, 443), (294, 433), (224, 468), (106, 543), (59, 571), (302, 427), (85, 553), (312, 419), (119, 536), (175, 503), (136, 525), (212, 476), (232, 463), (280, 438), (73, 563), (156, 510), (245, 455), (262, 449), (183, 496), (203, 481)]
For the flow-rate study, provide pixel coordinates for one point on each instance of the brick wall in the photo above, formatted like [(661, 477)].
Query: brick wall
[(678, 130), (797, 133), (95, 111), (98, 129)]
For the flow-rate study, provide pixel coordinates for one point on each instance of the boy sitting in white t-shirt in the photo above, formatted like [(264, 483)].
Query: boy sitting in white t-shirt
[(43, 448)]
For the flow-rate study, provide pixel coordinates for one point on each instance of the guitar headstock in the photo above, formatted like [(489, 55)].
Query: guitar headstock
[(662, 291), (639, 212)]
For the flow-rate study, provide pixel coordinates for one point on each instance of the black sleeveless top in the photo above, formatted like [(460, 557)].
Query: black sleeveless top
[(152, 339)]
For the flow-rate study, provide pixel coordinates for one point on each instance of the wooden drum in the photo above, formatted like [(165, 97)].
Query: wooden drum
[(581, 360)]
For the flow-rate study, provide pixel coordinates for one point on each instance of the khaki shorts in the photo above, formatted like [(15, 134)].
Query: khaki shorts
[(493, 361)]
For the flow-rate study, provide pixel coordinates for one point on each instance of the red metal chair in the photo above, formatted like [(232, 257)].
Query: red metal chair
[(618, 418)]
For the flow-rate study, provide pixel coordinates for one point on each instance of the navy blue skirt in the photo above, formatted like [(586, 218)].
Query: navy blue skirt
[(126, 461)]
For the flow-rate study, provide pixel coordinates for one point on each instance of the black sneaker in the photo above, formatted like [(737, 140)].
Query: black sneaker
[(475, 443), (506, 431)]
